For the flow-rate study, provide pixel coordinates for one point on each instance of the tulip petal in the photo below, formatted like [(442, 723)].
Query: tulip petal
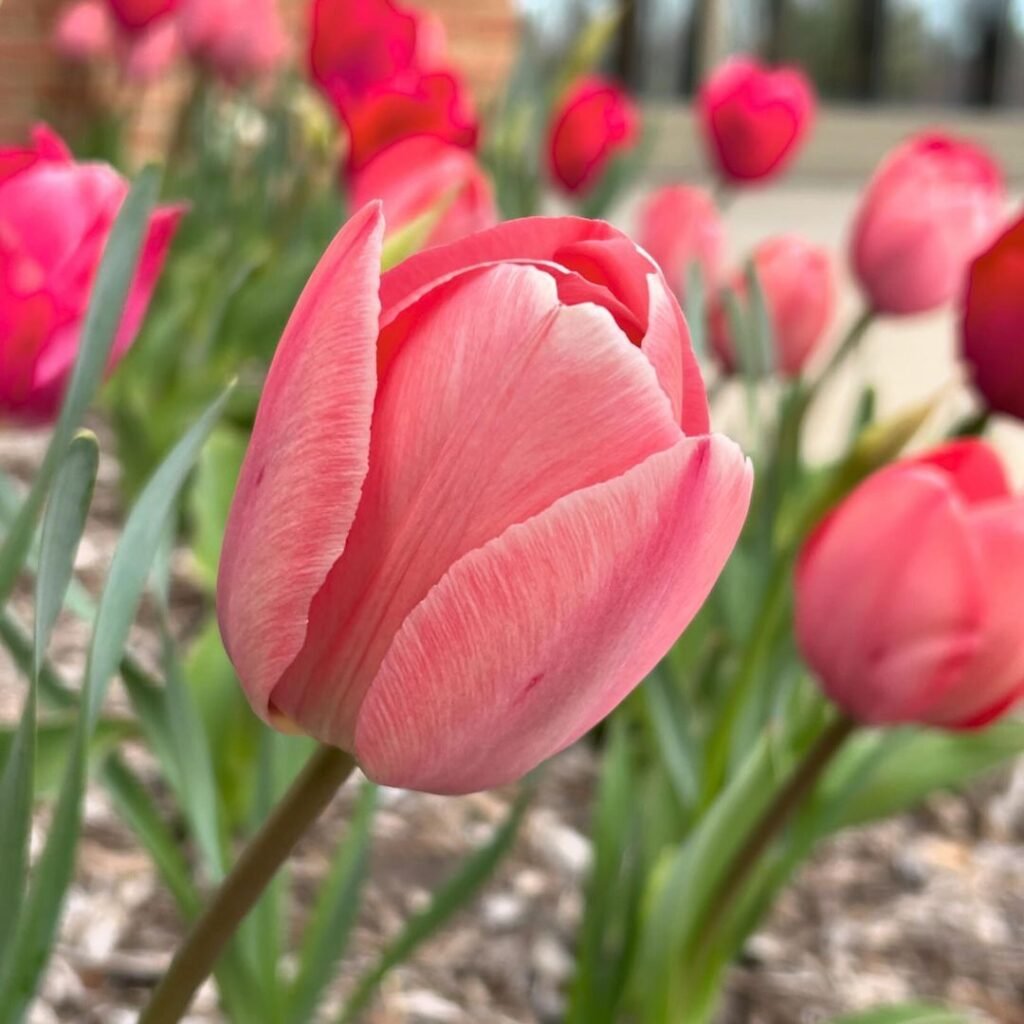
[(472, 432), (974, 468), (888, 640), (303, 473), (529, 641)]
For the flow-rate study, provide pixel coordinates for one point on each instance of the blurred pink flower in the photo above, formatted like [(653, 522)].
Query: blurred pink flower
[(799, 288), (909, 595), (236, 39), (85, 31), (55, 216), (679, 225), (137, 15), (480, 501), (934, 203), (754, 119)]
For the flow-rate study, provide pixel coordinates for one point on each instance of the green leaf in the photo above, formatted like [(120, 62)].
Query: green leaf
[(448, 900), (126, 580), (675, 746), (216, 476), (696, 311), (911, 1013), (63, 525), (337, 904), (106, 306)]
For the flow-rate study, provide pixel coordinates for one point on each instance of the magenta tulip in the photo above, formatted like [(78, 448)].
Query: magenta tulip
[(480, 501), (909, 595), (421, 174), (679, 225), (934, 203), (55, 216), (754, 119), (992, 338), (799, 289)]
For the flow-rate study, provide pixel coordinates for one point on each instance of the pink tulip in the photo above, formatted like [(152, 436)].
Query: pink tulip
[(479, 503), (235, 39), (594, 122), (934, 203), (909, 595), (85, 31), (679, 226), (138, 15), (993, 323), (420, 174), (800, 292), (55, 216), (754, 119)]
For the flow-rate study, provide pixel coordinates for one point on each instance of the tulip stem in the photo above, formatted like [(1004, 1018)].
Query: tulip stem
[(195, 959), (846, 348)]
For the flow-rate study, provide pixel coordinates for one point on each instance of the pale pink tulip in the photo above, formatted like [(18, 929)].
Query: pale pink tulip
[(235, 39), (55, 216), (422, 174), (909, 595), (85, 31), (480, 501), (679, 225), (799, 289), (934, 203)]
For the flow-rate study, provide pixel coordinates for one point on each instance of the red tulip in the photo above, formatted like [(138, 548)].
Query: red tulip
[(356, 45), (235, 39), (993, 323), (679, 226), (420, 174), (479, 503), (934, 203), (136, 15), (55, 216), (909, 595), (594, 122), (754, 119), (800, 292), (437, 105)]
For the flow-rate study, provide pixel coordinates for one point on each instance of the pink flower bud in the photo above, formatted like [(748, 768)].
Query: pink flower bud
[(754, 120), (908, 596), (992, 338), (479, 503), (934, 203), (55, 216), (235, 39)]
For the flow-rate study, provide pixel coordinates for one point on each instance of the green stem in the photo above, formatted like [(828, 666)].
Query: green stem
[(846, 348), (309, 795)]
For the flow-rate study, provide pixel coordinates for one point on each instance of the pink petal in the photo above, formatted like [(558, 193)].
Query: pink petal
[(974, 469), (307, 460), (889, 594), (529, 641), (500, 402)]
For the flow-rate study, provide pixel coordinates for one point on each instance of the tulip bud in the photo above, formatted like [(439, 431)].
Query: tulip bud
[(754, 120), (932, 205), (594, 122), (136, 15), (908, 595), (799, 289), (480, 501), (679, 225), (55, 216), (234, 39), (992, 337)]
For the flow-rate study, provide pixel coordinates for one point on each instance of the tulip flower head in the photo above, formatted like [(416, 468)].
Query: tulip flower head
[(55, 216), (934, 203), (420, 174), (137, 15), (909, 594), (800, 293), (754, 119), (479, 503), (678, 226), (992, 335), (594, 122), (235, 39)]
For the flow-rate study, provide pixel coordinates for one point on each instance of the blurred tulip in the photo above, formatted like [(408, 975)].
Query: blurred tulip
[(480, 501), (420, 174), (235, 39), (85, 31), (594, 122), (136, 15), (55, 216), (800, 292), (679, 225), (934, 203), (992, 338), (909, 595), (358, 44), (436, 105), (754, 119)]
